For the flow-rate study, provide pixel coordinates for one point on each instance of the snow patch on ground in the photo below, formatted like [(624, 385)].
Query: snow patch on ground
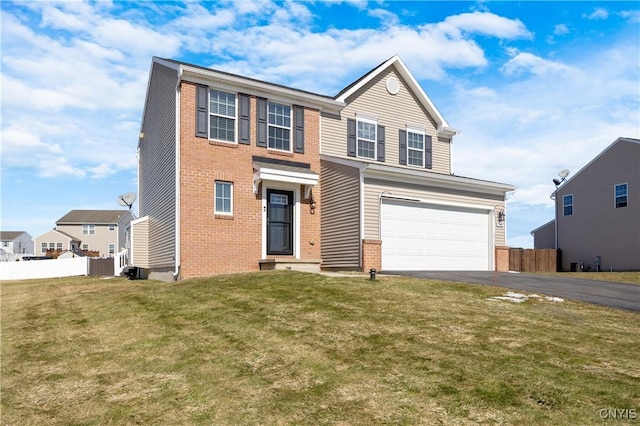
[(520, 297)]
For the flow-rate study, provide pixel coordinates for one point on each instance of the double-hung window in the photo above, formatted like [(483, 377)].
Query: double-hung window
[(415, 148), (366, 138), (44, 248), (621, 192), (567, 205), (279, 127), (88, 229), (112, 249), (222, 116), (223, 197)]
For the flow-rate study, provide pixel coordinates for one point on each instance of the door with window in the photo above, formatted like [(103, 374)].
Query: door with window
[(279, 222)]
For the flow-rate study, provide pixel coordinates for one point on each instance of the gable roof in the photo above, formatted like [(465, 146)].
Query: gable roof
[(10, 235), (93, 217), (425, 101), (64, 234), (621, 139)]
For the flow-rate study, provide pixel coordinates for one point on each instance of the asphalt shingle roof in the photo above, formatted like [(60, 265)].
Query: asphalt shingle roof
[(92, 217)]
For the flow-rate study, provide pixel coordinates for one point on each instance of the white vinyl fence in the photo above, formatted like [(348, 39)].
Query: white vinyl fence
[(50, 268)]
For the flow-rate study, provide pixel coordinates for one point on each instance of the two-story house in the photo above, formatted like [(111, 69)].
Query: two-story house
[(13, 244), (597, 213), (102, 231), (237, 174)]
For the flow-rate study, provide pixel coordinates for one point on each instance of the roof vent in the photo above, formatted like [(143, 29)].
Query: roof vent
[(393, 86)]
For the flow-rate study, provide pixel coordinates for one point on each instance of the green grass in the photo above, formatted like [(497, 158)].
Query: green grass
[(280, 348)]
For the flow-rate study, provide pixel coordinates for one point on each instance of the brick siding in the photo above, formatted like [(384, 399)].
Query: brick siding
[(214, 244), (371, 255), (502, 258)]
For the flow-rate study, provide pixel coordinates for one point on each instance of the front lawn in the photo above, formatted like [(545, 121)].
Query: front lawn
[(278, 348)]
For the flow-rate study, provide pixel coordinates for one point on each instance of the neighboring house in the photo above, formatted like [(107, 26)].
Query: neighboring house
[(391, 200), (237, 174), (598, 213), (15, 243), (103, 231)]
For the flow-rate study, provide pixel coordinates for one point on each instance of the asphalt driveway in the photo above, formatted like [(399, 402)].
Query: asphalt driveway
[(614, 295)]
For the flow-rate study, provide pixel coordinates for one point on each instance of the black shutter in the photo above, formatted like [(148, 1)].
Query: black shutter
[(427, 152), (351, 137), (298, 134), (403, 147), (245, 112), (380, 143), (202, 111), (261, 139)]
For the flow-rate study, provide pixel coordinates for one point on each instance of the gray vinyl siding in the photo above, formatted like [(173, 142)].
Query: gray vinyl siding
[(157, 166), (596, 227), (373, 188), (545, 236), (340, 220), (394, 112)]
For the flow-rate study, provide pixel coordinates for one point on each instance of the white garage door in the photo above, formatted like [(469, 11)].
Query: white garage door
[(418, 236)]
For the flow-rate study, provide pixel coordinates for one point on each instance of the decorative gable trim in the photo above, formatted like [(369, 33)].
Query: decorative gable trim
[(443, 127)]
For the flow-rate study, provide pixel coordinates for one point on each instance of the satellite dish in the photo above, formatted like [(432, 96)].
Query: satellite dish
[(127, 199), (563, 173)]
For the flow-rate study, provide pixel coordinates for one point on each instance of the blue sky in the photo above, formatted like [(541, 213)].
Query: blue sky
[(534, 87)]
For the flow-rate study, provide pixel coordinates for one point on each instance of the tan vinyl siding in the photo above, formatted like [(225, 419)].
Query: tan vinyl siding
[(157, 166), (373, 188), (394, 112), (340, 216), (140, 244), (596, 227)]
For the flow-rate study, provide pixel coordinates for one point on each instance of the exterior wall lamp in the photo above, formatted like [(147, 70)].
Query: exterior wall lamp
[(501, 218), (312, 204)]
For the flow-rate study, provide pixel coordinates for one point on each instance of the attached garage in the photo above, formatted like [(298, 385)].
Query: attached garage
[(421, 236)]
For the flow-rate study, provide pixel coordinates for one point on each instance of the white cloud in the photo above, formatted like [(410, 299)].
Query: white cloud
[(561, 29), (598, 14), (488, 24), (632, 16), (527, 62)]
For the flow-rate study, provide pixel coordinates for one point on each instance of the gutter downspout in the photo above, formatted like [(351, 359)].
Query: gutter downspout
[(176, 272)]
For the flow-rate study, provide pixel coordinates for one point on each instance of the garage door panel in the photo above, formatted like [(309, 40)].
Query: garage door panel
[(418, 236)]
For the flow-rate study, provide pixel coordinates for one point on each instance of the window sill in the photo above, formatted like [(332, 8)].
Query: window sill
[(278, 152), (224, 216), (223, 143)]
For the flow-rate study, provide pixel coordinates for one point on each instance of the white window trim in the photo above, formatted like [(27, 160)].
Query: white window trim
[(215, 206), (235, 119), (290, 128), (567, 205), (363, 119), (424, 148), (615, 196), (91, 229)]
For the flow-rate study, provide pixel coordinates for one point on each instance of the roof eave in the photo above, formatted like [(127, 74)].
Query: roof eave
[(437, 179), (199, 75)]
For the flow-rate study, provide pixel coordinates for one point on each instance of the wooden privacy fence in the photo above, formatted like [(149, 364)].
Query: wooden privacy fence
[(530, 260), (101, 267)]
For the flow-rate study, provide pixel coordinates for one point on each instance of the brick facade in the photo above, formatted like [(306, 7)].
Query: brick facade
[(371, 255), (502, 258), (214, 244)]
